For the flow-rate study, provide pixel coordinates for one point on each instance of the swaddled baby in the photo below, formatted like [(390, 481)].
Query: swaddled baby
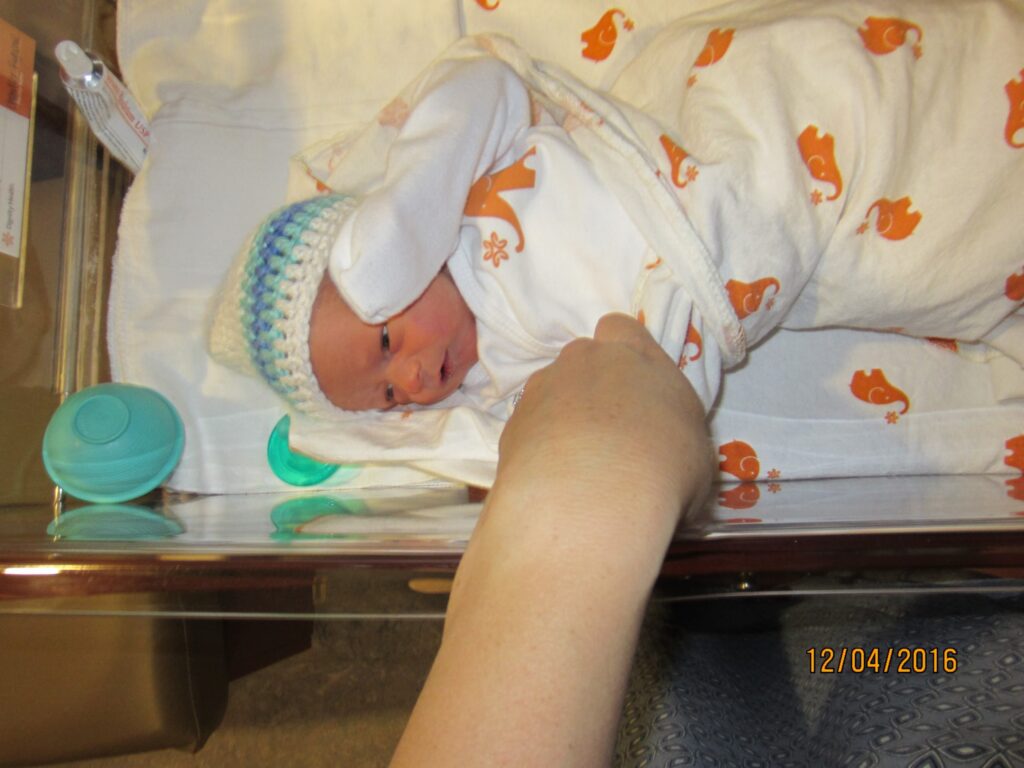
[(535, 251), (798, 173)]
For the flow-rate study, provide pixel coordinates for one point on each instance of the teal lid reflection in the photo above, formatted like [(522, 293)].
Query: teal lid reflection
[(113, 522), (290, 516), (292, 467), (113, 442)]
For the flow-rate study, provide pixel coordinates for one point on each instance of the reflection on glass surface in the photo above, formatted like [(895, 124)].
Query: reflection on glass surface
[(862, 504), (32, 570), (291, 516), (113, 522), (382, 520), (409, 520)]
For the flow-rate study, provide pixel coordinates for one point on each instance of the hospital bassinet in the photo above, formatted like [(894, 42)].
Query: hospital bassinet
[(234, 74)]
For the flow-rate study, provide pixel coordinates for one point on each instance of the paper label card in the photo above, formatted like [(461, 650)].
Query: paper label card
[(17, 60)]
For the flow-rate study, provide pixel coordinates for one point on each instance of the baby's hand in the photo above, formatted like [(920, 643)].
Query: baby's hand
[(611, 420)]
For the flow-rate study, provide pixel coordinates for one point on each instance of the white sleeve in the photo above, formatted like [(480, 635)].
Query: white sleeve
[(463, 121)]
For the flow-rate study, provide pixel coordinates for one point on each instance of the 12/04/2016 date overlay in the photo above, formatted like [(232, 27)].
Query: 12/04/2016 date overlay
[(830, 660)]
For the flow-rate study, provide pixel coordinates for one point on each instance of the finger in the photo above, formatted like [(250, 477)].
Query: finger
[(616, 326), (624, 329)]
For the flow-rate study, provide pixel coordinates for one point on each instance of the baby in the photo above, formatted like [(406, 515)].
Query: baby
[(800, 173), (398, 298)]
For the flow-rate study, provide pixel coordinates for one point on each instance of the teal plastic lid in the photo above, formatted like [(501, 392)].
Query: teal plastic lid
[(292, 467), (113, 442)]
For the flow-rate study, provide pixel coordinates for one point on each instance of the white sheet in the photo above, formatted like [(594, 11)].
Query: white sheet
[(234, 88), (213, 75)]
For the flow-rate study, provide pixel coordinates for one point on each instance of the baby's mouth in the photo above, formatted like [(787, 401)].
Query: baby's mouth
[(445, 368)]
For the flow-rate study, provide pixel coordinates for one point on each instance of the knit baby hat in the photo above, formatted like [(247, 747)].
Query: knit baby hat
[(261, 316)]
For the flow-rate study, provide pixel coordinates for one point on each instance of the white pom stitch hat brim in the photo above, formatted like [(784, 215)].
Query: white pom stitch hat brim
[(260, 323)]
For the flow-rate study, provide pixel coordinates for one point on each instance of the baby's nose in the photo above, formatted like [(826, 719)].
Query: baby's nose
[(410, 377)]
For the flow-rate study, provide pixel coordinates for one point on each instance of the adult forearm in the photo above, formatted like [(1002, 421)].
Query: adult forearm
[(535, 658), (540, 633), (606, 449)]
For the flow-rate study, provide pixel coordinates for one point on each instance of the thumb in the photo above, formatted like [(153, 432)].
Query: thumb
[(625, 329)]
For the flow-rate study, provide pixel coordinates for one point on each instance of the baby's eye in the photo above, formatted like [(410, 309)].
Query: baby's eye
[(385, 347)]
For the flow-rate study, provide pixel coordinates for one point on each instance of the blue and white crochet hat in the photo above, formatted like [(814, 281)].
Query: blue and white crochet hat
[(261, 317)]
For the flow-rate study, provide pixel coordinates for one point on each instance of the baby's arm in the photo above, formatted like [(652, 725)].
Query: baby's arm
[(464, 120)]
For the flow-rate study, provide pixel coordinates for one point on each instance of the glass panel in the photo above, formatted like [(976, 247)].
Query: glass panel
[(388, 553), (54, 342)]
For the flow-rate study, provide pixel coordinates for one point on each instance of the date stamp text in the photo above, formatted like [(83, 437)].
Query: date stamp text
[(830, 660)]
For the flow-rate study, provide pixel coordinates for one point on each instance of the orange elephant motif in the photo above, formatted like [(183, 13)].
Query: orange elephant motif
[(885, 35), (1014, 288), (818, 153), (599, 41), (483, 4), (740, 460), (895, 219), (485, 195), (1015, 489), (714, 49), (1015, 120), (715, 46), (742, 496), (746, 298), (872, 387), (676, 156), (1015, 457), (693, 341)]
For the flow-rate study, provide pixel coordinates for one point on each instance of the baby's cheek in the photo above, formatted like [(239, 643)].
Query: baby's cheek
[(438, 325)]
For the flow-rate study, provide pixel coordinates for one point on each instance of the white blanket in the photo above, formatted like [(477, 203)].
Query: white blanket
[(233, 91), (757, 216)]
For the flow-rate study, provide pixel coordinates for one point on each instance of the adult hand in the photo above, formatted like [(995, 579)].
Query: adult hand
[(611, 423)]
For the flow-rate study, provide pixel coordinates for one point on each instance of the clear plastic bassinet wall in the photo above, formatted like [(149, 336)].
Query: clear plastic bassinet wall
[(928, 532)]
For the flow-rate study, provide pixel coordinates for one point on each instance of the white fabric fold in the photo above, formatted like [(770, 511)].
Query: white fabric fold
[(406, 227)]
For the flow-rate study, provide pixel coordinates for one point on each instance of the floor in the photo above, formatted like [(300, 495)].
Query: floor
[(715, 683), (343, 702)]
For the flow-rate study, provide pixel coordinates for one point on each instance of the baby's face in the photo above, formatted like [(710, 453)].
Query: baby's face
[(420, 356)]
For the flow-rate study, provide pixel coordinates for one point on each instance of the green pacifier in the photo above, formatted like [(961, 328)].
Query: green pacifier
[(292, 467), (113, 442)]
